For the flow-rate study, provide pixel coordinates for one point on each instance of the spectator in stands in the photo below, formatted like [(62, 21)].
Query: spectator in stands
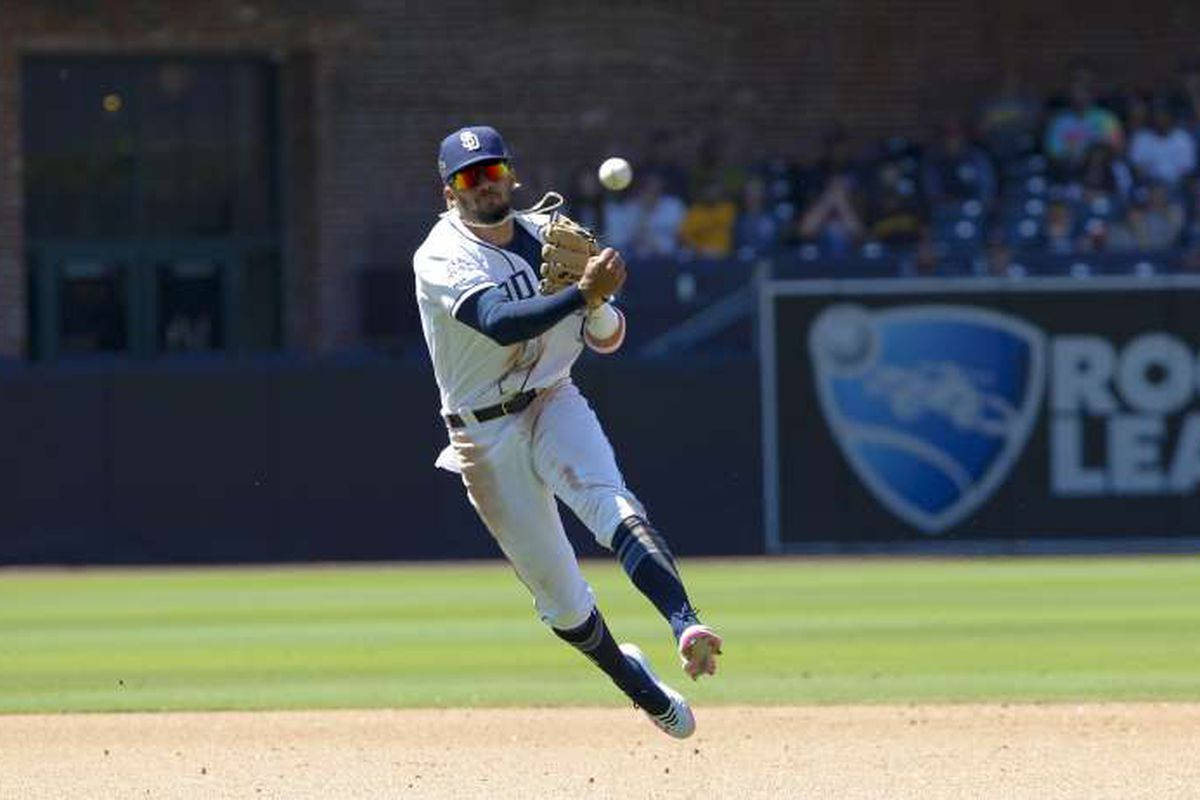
[(833, 220), (1072, 130), (998, 258), (1094, 235), (1162, 151), (1060, 228), (955, 170), (1103, 190), (922, 261), (707, 227), (897, 216), (1154, 221), (1105, 174), (1008, 121), (647, 224), (1162, 222), (757, 228), (832, 217), (998, 262)]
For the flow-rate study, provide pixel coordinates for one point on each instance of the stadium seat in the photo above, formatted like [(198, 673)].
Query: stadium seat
[(1023, 232), (1035, 186), (959, 233)]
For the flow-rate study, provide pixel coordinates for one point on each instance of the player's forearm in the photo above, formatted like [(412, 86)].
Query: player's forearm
[(510, 321)]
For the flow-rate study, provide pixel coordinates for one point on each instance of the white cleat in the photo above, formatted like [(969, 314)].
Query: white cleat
[(677, 720), (699, 647)]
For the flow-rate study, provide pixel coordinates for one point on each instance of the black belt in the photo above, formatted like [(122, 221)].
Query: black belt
[(511, 406)]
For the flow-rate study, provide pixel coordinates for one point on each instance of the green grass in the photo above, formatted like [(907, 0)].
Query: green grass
[(797, 631)]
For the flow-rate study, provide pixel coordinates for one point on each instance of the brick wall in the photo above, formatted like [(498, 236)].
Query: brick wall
[(569, 82)]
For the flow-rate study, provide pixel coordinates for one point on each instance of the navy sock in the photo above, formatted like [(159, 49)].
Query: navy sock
[(647, 560), (593, 639)]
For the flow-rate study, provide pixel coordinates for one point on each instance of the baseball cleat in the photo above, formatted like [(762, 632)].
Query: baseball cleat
[(699, 647), (677, 720)]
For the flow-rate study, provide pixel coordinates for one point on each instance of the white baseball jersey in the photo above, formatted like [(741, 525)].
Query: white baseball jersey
[(472, 370), (514, 466)]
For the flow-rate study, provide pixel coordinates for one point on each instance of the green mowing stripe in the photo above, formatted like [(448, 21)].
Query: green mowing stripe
[(797, 631)]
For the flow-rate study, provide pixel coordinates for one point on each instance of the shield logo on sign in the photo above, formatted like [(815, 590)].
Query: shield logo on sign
[(931, 404)]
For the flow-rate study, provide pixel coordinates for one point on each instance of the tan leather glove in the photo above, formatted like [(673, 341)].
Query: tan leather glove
[(568, 246)]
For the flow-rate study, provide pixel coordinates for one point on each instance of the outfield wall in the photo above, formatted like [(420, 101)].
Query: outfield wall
[(224, 461), (1046, 414)]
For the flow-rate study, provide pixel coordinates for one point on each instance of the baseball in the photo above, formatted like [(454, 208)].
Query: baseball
[(615, 173)]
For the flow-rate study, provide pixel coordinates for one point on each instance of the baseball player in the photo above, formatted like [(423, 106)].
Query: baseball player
[(503, 333)]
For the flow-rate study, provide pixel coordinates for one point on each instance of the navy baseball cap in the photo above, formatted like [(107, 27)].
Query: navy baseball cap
[(470, 145)]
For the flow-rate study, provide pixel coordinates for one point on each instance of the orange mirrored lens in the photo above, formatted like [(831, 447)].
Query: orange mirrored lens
[(496, 171), (472, 176)]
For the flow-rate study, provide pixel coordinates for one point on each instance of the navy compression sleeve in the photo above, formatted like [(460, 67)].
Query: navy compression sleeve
[(510, 321)]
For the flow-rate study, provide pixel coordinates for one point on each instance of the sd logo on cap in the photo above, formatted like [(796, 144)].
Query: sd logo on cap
[(470, 145)]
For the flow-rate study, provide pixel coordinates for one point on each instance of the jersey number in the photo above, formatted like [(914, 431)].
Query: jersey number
[(518, 287)]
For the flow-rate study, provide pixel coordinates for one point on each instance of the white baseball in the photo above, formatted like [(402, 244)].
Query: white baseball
[(615, 173)]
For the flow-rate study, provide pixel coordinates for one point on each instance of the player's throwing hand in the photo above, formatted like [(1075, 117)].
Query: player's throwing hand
[(603, 277)]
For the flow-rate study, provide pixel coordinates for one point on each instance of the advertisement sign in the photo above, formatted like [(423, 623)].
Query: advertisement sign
[(910, 409)]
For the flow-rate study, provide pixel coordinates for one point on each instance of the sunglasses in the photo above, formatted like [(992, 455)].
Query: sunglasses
[(472, 176)]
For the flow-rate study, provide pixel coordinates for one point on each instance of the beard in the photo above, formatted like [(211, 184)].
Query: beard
[(492, 213)]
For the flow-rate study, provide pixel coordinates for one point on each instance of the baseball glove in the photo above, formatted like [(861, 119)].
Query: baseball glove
[(568, 246)]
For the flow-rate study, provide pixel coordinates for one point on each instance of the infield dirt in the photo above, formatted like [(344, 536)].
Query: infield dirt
[(1090, 751)]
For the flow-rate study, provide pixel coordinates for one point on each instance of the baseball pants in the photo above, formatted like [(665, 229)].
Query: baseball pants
[(513, 467)]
